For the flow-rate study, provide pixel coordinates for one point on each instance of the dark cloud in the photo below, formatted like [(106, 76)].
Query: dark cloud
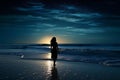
[(86, 21), (102, 6)]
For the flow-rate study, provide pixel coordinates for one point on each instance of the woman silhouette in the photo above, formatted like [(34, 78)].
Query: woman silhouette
[(54, 49)]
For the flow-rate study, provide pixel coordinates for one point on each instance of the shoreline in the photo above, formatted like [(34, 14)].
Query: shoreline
[(12, 67)]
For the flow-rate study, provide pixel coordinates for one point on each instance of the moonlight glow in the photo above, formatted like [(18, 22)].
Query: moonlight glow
[(46, 40)]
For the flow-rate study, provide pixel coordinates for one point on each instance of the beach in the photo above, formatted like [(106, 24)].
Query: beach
[(33, 62), (59, 40), (12, 67)]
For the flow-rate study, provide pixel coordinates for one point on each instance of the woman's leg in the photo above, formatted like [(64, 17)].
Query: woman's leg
[(54, 61)]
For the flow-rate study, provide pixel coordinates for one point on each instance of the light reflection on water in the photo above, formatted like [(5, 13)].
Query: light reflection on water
[(49, 56), (51, 69), (49, 65), (54, 74)]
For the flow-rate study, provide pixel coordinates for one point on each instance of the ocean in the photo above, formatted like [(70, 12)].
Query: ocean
[(108, 55)]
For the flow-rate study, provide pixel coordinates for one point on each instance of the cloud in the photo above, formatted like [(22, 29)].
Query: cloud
[(67, 19), (59, 14), (85, 30), (57, 11), (69, 7), (36, 17), (86, 15), (31, 6), (92, 30), (35, 3), (86, 18), (48, 25)]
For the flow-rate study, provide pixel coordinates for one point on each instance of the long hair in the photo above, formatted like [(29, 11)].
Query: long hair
[(53, 40)]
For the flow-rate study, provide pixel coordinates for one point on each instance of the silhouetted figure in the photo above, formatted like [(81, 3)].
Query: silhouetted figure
[(54, 49), (54, 74)]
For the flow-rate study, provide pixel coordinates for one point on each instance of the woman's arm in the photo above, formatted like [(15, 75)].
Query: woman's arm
[(51, 46)]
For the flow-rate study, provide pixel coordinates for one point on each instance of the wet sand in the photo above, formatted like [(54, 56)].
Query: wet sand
[(14, 68)]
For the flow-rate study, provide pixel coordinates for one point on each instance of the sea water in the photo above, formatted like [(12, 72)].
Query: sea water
[(101, 54)]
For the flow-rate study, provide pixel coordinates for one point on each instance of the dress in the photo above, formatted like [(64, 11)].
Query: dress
[(54, 50)]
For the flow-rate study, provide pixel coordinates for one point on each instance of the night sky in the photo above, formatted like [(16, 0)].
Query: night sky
[(71, 21)]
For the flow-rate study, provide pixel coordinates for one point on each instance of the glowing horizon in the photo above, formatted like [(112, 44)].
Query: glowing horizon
[(46, 40)]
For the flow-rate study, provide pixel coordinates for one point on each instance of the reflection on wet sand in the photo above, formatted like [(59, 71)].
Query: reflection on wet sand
[(54, 74), (52, 71)]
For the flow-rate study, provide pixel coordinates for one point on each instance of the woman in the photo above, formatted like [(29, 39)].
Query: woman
[(54, 49)]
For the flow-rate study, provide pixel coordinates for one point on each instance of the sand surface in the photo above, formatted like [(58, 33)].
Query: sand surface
[(12, 67)]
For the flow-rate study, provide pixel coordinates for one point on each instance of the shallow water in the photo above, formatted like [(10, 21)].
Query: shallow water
[(101, 54)]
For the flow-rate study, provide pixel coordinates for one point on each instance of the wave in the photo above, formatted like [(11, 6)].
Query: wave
[(114, 62), (106, 55)]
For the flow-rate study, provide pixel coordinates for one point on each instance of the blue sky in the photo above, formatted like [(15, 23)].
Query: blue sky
[(70, 23)]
